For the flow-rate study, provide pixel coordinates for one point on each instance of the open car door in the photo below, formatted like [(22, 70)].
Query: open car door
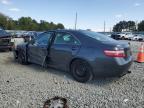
[(38, 51)]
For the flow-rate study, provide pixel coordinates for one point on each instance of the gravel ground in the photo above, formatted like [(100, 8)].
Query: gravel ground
[(29, 86)]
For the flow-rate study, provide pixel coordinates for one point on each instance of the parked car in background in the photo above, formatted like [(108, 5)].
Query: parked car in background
[(16, 41), (126, 35), (85, 54), (30, 33), (138, 37), (116, 36), (5, 40)]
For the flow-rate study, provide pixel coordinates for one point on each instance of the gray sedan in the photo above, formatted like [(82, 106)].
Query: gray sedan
[(85, 54)]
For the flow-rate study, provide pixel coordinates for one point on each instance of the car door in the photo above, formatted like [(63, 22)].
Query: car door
[(38, 51), (64, 47)]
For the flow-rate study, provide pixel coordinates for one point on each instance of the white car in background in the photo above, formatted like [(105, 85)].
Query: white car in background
[(126, 35), (16, 41), (138, 37)]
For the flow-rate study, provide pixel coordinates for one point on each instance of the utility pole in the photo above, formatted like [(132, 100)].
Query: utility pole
[(76, 21), (104, 26)]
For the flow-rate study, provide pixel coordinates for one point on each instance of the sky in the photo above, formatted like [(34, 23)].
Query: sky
[(91, 14)]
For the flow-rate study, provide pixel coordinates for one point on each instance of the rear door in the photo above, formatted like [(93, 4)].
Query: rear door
[(64, 47), (38, 51)]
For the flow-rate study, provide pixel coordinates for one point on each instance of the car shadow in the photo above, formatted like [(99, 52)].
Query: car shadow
[(61, 73), (66, 75)]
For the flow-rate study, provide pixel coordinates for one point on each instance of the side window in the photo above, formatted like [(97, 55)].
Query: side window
[(65, 38), (43, 39)]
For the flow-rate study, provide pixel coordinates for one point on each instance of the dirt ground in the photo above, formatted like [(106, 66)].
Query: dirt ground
[(28, 86)]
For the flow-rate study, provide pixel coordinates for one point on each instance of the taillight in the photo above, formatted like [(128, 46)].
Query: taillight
[(113, 53)]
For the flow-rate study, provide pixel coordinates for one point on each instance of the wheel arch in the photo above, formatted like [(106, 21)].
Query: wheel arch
[(78, 58)]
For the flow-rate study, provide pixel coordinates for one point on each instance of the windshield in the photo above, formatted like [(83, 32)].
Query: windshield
[(97, 36)]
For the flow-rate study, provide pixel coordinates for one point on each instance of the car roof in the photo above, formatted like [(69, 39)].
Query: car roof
[(64, 30)]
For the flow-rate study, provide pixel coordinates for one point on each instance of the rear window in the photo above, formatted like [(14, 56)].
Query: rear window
[(97, 36)]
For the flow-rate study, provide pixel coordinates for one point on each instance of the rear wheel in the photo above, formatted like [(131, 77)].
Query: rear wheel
[(81, 71), (22, 58)]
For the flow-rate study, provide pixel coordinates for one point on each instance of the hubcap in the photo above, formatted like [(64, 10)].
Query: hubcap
[(80, 70)]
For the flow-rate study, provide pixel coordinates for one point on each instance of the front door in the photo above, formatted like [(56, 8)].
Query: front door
[(38, 51), (64, 47)]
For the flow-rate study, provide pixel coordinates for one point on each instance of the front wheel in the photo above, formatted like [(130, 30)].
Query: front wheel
[(81, 71), (123, 38)]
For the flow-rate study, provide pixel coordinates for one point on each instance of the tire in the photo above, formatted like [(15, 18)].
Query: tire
[(81, 71), (123, 38), (21, 58), (15, 55)]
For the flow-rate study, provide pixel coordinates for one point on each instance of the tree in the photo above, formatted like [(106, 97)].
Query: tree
[(117, 28), (34, 25), (59, 26), (124, 26), (3, 21), (131, 25), (43, 25), (27, 23), (141, 26), (52, 26), (10, 24)]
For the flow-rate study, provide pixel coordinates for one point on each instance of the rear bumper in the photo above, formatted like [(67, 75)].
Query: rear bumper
[(112, 68)]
